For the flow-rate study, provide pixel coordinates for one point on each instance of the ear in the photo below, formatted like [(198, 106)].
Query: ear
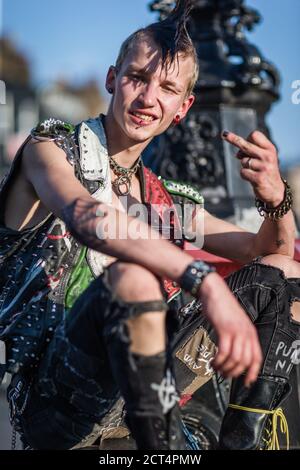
[(188, 102), (110, 78)]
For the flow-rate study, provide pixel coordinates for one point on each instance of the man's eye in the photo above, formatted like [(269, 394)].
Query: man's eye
[(169, 90), (137, 78)]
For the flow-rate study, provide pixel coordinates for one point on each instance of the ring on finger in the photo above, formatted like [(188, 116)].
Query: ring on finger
[(247, 164)]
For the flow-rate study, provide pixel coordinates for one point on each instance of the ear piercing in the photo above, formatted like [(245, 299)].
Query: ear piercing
[(176, 119), (110, 91)]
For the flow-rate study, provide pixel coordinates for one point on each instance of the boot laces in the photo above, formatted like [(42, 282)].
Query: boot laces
[(271, 441)]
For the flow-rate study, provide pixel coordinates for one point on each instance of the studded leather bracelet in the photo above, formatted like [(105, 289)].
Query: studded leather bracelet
[(194, 275)]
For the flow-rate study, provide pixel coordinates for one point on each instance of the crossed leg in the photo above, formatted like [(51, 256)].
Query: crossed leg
[(280, 278), (269, 290)]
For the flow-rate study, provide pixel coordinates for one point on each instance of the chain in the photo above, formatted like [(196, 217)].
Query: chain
[(278, 212), (124, 175)]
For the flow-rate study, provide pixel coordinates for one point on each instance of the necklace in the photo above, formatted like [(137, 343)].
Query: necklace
[(124, 175)]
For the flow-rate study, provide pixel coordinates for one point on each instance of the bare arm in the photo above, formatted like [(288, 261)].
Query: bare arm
[(227, 240), (277, 237), (260, 168)]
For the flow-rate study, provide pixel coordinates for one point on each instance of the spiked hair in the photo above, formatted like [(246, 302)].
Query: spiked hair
[(171, 37)]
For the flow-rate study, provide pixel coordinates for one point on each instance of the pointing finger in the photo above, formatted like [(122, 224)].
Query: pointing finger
[(246, 147)]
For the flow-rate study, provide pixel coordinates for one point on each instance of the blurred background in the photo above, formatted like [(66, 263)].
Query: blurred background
[(54, 56)]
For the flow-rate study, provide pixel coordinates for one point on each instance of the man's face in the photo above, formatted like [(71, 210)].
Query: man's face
[(146, 97)]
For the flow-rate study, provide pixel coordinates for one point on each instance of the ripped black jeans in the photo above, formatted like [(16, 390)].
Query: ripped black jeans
[(74, 395)]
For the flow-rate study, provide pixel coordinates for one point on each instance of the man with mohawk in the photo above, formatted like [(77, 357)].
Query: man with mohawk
[(84, 305)]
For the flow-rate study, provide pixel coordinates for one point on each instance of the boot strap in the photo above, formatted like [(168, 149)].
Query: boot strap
[(278, 413)]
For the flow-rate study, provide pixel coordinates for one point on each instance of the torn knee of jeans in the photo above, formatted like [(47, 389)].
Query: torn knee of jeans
[(295, 310)]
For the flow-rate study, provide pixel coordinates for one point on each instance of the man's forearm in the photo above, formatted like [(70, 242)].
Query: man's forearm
[(116, 234), (276, 237)]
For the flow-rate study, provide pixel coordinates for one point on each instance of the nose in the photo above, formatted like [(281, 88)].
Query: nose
[(147, 96)]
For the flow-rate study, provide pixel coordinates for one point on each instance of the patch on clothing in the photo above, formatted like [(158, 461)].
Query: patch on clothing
[(197, 354)]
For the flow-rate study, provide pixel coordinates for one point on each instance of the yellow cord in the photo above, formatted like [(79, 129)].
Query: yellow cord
[(273, 443)]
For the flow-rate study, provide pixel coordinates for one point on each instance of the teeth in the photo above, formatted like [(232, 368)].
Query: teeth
[(143, 116)]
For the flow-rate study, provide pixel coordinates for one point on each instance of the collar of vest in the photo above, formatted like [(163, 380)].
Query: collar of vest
[(94, 161)]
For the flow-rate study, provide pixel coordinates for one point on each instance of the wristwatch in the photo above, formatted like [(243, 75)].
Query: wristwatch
[(194, 275)]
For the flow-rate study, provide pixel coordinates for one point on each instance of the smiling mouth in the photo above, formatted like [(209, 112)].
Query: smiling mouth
[(143, 117)]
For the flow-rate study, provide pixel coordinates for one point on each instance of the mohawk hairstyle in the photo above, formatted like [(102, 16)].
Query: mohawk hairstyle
[(171, 36)]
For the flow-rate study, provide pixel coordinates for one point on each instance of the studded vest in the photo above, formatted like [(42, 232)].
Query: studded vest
[(43, 269)]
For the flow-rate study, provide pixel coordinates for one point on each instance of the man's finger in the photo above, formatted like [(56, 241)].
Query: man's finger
[(251, 163), (258, 138), (234, 359), (245, 361), (249, 175), (235, 371), (224, 347), (250, 149), (255, 366), (252, 373)]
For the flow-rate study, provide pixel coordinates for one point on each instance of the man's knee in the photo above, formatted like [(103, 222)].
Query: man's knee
[(290, 267), (133, 283)]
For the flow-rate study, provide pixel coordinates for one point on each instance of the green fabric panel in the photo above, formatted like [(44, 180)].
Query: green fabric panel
[(79, 280)]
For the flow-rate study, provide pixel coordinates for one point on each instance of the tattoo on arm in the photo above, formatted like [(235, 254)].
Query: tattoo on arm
[(79, 217)]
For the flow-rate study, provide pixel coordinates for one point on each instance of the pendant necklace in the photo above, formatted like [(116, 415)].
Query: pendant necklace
[(124, 176)]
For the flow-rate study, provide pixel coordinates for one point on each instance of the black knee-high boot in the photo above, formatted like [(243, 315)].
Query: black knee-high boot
[(153, 414), (250, 422)]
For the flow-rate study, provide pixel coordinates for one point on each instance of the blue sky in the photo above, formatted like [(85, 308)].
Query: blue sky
[(79, 40)]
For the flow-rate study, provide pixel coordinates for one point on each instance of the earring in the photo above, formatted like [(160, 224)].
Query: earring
[(110, 91), (176, 119)]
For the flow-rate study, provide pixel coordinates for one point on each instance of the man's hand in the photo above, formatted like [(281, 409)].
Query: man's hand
[(238, 345), (260, 167)]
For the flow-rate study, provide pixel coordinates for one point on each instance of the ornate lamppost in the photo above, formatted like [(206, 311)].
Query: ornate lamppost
[(235, 90)]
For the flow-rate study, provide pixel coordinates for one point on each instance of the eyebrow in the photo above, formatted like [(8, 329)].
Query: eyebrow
[(142, 71)]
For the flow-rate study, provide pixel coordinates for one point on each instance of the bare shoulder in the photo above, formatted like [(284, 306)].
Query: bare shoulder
[(47, 168), (25, 211), (42, 155)]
